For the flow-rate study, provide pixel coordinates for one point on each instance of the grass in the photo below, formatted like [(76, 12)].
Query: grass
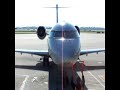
[(34, 32), (24, 32)]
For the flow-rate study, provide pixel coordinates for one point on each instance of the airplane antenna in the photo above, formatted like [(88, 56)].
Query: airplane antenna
[(56, 11)]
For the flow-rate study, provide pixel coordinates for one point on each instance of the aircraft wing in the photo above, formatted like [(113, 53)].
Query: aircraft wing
[(88, 51), (34, 52)]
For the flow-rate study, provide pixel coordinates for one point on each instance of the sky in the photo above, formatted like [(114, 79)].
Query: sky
[(84, 13)]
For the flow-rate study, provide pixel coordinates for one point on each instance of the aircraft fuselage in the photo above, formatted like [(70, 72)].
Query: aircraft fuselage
[(64, 44)]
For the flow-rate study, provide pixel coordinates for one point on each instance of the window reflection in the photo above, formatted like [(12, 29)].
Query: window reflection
[(65, 34)]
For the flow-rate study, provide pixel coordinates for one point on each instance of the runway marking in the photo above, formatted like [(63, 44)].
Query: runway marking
[(23, 84), (96, 79), (102, 77), (46, 82), (34, 79), (100, 62)]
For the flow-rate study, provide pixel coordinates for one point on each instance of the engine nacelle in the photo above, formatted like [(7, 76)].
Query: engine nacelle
[(41, 32), (78, 29)]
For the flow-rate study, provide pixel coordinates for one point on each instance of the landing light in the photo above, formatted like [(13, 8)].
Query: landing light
[(62, 38)]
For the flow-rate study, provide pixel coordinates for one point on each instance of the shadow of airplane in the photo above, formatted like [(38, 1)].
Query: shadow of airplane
[(39, 66), (87, 67), (55, 74), (58, 82)]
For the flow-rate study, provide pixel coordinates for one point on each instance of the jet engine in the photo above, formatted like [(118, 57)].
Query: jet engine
[(41, 32), (78, 29)]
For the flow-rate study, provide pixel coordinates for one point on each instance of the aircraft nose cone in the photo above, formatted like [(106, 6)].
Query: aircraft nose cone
[(66, 51)]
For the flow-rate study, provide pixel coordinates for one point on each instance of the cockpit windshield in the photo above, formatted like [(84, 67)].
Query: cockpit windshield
[(65, 34)]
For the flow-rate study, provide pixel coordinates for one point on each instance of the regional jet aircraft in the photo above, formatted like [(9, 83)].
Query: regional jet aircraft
[(64, 46)]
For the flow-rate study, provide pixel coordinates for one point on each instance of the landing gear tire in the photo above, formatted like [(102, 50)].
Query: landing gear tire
[(45, 61)]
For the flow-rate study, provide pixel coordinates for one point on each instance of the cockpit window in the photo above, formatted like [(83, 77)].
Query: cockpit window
[(65, 34)]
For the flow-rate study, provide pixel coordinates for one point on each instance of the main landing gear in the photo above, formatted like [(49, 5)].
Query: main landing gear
[(45, 61)]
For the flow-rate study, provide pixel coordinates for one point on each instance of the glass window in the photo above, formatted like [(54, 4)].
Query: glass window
[(65, 34)]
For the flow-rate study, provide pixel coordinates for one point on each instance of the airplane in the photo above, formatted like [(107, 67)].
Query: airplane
[(64, 46)]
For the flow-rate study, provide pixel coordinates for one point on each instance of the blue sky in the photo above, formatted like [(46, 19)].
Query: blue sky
[(79, 12)]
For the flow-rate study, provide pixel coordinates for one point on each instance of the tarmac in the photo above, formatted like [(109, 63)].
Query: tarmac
[(31, 75)]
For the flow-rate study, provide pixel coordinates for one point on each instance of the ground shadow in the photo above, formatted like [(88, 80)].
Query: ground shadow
[(78, 66), (58, 80), (39, 66), (55, 74)]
